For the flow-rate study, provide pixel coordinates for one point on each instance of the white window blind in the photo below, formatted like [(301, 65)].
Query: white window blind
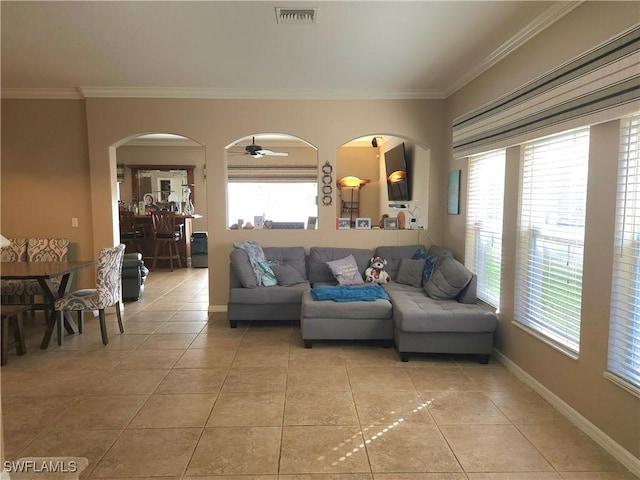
[(551, 237), (624, 327), (483, 239)]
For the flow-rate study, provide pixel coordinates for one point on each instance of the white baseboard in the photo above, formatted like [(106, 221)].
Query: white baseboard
[(597, 435), (218, 308)]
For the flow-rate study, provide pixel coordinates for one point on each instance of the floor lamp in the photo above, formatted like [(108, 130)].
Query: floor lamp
[(355, 184)]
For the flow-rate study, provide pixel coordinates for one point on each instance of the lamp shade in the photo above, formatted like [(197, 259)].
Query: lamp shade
[(352, 182), (4, 241)]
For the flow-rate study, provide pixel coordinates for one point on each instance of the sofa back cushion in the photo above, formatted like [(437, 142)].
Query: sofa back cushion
[(241, 271), (294, 257), (448, 280), (394, 254), (319, 272)]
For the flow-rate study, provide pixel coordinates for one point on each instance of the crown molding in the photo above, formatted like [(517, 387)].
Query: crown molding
[(543, 21), (42, 93), (256, 94), (218, 93)]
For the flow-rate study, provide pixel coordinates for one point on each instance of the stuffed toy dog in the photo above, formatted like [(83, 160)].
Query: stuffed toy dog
[(375, 272)]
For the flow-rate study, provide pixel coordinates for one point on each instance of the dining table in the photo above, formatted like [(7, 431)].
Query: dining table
[(45, 273)]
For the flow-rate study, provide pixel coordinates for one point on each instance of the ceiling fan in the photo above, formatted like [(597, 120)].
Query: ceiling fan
[(256, 151)]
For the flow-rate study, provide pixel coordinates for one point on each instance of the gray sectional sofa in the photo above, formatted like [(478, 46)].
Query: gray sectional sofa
[(415, 321)]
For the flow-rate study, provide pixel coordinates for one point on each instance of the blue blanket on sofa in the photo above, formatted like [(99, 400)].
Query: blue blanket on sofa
[(347, 293)]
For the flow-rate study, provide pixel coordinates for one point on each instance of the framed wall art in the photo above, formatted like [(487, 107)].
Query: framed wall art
[(453, 193)]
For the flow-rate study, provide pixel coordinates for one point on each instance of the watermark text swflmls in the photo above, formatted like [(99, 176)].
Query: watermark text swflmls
[(48, 465)]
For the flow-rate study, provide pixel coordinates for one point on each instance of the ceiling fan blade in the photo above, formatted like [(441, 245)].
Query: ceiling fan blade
[(272, 153)]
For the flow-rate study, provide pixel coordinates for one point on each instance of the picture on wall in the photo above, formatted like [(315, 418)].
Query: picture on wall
[(453, 193)]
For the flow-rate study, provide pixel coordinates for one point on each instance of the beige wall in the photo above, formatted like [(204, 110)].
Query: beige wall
[(45, 175), (579, 383)]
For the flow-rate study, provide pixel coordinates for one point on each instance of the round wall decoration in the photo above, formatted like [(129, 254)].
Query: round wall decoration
[(327, 184)]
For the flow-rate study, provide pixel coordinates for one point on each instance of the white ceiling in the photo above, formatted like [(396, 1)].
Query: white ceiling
[(214, 49)]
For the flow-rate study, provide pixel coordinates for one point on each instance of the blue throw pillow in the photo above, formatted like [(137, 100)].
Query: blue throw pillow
[(429, 264)]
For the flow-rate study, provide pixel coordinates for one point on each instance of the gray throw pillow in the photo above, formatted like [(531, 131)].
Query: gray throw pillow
[(287, 275), (346, 271), (448, 280), (243, 269), (410, 272)]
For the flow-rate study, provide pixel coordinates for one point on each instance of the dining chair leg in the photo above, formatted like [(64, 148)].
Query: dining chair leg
[(60, 327), (103, 327), (5, 339), (119, 315), (18, 333), (80, 321)]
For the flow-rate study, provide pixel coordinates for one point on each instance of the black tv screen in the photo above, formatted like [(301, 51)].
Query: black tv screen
[(397, 178)]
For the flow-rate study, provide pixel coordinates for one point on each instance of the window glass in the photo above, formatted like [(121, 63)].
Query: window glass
[(623, 364), (287, 205), (483, 242), (551, 237)]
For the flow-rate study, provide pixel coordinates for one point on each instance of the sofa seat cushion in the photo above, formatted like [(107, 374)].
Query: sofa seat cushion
[(377, 309), (414, 311), (269, 295)]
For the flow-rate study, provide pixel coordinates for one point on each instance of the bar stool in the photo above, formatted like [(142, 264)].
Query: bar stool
[(166, 236), (13, 314)]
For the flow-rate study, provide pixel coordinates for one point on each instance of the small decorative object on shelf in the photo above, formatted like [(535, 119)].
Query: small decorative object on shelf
[(343, 223), (391, 223), (363, 223)]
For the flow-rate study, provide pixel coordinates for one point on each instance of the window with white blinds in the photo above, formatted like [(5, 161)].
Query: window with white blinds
[(551, 237), (483, 238), (623, 364)]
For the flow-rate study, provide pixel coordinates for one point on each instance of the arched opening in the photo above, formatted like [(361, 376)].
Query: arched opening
[(272, 182), (393, 174), (170, 169)]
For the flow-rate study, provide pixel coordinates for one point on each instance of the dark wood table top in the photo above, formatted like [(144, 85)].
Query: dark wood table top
[(35, 270)]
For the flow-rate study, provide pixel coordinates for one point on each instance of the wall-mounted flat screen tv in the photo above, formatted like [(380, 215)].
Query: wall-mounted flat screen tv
[(397, 177)]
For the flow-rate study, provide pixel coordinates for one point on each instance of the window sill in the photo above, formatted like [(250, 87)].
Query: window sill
[(556, 346), (632, 389)]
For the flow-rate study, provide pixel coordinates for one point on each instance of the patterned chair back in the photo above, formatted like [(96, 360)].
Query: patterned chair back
[(16, 252), (109, 275), (47, 249)]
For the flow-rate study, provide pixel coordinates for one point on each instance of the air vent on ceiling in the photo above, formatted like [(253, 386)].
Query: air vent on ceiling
[(299, 16)]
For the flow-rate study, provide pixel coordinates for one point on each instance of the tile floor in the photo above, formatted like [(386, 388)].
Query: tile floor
[(181, 395)]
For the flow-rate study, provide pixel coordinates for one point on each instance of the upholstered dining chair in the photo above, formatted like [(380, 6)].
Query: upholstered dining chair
[(166, 235), (106, 294), (44, 250), (130, 233), (16, 251)]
